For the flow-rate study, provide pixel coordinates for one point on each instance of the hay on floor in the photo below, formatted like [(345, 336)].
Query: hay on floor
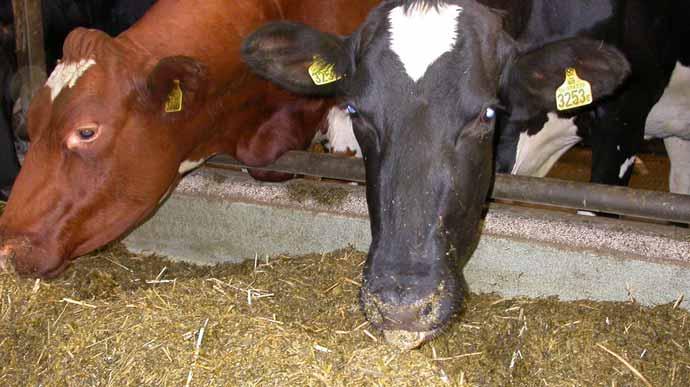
[(120, 319)]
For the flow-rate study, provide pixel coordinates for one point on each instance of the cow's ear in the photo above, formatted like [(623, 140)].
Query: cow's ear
[(533, 77), (297, 57), (177, 84)]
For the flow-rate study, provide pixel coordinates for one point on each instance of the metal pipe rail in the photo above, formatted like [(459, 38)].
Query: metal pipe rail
[(542, 191)]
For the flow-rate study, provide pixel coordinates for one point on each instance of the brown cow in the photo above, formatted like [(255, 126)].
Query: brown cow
[(122, 119)]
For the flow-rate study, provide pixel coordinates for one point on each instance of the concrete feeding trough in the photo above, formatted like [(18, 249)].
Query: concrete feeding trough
[(217, 215)]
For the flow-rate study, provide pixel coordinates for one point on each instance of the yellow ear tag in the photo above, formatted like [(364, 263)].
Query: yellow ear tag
[(174, 102), (322, 73), (574, 92)]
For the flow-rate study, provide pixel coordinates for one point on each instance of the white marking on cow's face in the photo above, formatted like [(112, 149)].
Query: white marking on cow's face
[(66, 74), (536, 154), (626, 165), (340, 135), (671, 115), (421, 35), (190, 165)]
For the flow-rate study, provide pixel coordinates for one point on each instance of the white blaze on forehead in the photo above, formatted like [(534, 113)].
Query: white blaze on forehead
[(536, 154), (66, 74), (422, 34), (340, 135), (190, 165)]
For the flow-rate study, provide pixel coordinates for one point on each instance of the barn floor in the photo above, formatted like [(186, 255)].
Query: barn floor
[(118, 319)]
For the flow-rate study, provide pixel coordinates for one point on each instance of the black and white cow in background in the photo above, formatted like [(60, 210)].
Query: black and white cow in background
[(9, 165), (670, 120), (59, 17), (422, 81), (653, 37)]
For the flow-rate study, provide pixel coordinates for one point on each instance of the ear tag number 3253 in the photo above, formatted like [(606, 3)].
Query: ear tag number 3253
[(322, 73), (174, 102), (574, 92)]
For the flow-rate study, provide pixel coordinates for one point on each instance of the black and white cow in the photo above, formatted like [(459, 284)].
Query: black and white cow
[(653, 37), (9, 165), (531, 141), (422, 81), (59, 17), (670, 120)]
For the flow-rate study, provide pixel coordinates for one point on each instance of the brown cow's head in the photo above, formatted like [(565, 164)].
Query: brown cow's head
[(107, 145)]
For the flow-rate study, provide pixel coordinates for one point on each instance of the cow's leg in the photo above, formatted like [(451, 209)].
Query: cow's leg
[(679, 153), (618, 133), (9, 166)]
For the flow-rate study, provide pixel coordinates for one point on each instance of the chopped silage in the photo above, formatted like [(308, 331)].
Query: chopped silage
[(116, 318)]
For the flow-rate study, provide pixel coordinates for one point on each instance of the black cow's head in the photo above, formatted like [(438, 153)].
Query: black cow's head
[(421, 81)]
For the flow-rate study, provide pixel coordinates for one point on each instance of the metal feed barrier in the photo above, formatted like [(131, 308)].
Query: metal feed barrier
[(645, 204)]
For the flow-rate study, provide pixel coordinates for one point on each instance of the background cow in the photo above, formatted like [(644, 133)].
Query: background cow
[(59, 17), (9, 166), (653, 37), (121, 120), (422, 82)]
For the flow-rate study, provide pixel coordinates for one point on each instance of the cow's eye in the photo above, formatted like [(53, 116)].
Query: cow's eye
[(489, 114), (87, 133), (82, 136), (351, 110)]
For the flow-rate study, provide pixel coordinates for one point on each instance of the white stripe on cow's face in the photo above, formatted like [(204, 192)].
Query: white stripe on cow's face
[(536, 154), (422, 35), (66, 74), (340, 135)]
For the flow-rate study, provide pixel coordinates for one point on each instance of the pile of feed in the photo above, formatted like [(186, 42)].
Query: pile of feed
[(119, 319)]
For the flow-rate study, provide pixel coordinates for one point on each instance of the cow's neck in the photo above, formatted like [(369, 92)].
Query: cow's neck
[(210, 31)]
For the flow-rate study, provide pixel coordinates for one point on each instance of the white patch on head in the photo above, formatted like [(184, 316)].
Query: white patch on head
[(536, 154), (66, 74), (626, 165), (420, 36), (671, 115), (340, 135), (190, 165)]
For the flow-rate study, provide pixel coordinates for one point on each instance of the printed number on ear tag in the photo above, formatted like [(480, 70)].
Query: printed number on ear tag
[(174, 102), (322, 73), (574, 92)]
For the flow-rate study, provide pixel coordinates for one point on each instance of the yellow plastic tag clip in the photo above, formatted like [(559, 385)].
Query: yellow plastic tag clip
[(574, 92), (322, 73), (174, 102)]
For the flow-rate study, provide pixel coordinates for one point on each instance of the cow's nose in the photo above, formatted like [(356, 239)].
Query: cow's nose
[(24, 258), (407, 323), (6, 260)]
